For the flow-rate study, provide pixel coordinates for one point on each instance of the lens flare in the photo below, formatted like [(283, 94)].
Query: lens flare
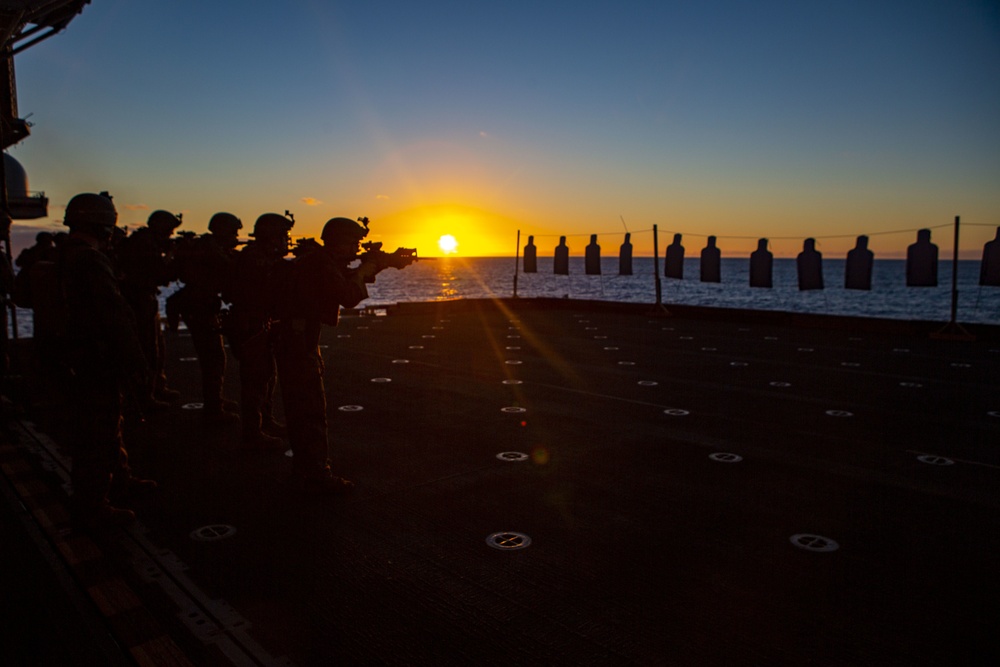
[(540, 455)]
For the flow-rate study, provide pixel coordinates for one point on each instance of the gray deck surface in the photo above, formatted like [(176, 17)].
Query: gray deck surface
[(644, 550)]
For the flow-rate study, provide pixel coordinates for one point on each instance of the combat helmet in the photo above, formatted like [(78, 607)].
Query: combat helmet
[(341, 229), (163, 222), (271, 226), (224, 223), (92, 213)]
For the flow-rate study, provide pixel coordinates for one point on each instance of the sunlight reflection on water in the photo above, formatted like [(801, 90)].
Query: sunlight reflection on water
[(453, 277), (486, 277)]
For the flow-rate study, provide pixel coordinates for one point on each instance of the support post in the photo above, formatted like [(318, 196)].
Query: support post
[(660, 309), (517, 260), (953, 330)]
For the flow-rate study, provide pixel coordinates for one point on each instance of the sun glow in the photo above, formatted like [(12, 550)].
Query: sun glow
[(448, 244)]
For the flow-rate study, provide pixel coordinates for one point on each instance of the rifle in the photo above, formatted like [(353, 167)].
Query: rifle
[(305, 245), (398, 259)]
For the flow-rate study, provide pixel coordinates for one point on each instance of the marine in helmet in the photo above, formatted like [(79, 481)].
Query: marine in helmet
[(6, 290), (103, 351), (145, 262), (318, 285), (203, 265), (251, 291)]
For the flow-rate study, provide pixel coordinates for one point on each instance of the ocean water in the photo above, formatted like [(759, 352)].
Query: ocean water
[(453, 278), (475, 278)]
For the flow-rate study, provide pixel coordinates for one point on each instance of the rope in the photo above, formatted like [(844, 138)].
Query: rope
[(770, 238)]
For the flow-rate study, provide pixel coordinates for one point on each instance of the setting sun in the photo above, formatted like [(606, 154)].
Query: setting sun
[(448, 244)]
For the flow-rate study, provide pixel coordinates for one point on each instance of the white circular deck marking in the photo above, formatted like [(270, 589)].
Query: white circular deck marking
[(512, 456), (188, 359), (381, 380), (350, 408), (676, 412), (725, 457), (512, 362), (839, 413), (738, 363), (213, 532), (816, 543), (647, 383), (930, 459), (508, 541), (400, 361), (514, 409), (910, 384), (513, 382), (780, 384), (192, 406)]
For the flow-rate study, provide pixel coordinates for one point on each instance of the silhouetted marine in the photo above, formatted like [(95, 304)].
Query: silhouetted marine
[(104, 353), (203, 264), (144, 262), (318, 285), (253, 292)]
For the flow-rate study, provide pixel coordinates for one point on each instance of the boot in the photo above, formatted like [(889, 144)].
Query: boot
[(169, 396), (101, 518), (326, 485), (258, 441), (272, 426), (218, 416), (132, 488)]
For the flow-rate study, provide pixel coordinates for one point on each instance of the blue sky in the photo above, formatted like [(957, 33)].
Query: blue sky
[(776, 119)]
